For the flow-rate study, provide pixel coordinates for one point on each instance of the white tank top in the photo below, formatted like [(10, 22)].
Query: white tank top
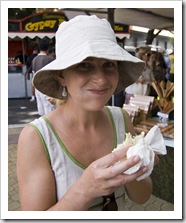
[(65, 168)]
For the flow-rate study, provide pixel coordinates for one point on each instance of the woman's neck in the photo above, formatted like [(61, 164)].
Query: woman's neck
[(80, 118)]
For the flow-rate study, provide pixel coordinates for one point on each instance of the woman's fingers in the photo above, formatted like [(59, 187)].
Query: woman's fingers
[(107, 173), (114, 164), (111, 158), (123, 179), (122, 166)]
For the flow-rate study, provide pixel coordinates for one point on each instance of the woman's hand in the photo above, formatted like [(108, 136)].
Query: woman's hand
[(141, 79), (104, 175)]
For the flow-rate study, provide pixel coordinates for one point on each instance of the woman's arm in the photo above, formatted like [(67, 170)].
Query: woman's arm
[(35, 178), (139, 191)]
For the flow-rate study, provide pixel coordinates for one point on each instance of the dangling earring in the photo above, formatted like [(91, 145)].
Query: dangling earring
[(64, 92)]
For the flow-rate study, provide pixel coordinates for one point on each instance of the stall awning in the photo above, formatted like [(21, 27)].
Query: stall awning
[(49, 35), (30, 35), (121, 36)]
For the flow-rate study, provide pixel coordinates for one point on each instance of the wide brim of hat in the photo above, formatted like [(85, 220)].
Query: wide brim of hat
[(130, 67)]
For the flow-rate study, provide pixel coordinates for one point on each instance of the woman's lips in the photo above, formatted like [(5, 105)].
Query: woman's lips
[(98, 91)]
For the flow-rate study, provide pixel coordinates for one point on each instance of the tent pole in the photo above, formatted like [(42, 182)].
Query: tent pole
[(24, 70), (111, 20)]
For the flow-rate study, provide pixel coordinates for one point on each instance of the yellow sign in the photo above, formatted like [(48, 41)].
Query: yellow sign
[(118, 28), (36, 26)]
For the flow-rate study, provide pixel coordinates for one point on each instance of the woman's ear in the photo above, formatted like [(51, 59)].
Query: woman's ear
[(61, 78)]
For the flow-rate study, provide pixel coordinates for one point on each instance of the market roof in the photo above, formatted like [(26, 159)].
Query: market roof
[(152, 18)]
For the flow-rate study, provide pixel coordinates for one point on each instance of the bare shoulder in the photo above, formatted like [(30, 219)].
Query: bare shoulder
[(30, 145), (29, 137), (27, 131)]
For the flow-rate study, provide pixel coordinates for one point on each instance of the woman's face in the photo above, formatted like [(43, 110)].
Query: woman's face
[(91, 83), (145, 57), (153, 57)]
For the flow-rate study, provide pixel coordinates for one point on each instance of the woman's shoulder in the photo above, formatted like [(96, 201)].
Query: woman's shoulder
[(29, 141), (30, 131), (27, 135)]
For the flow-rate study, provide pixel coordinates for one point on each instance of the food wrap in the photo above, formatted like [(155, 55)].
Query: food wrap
[(145, 147)]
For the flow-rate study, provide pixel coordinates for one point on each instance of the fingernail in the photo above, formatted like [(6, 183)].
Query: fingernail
[(137, 158), (145, 169)]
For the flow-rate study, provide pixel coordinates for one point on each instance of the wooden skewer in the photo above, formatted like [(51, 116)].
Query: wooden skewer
[(169, 108), (162, 85), (156, 88), (170, 90), (168, 84)]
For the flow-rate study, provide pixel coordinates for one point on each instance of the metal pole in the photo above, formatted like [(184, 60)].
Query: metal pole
[(111, 16), (111, 20), (24, 70)]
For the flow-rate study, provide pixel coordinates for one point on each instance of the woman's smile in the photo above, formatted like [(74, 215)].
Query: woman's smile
[(97, 91)]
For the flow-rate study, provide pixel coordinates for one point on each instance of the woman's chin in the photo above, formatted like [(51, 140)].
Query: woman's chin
[(95, 106)]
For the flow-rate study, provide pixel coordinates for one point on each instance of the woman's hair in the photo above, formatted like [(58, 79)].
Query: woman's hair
[(143, 50), (161, 60), (59, 102)]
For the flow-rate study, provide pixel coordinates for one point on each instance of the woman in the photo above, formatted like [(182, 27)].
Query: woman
[(158, 66), (143, 85), (65, 157)]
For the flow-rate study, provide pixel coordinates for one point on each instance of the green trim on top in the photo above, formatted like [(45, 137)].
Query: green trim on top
[(114, 127), (124, 120), (61, 143), (43, 141), (64, 147)]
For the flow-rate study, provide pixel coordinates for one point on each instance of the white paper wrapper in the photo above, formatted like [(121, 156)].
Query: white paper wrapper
[(145, 147), (155, 139)]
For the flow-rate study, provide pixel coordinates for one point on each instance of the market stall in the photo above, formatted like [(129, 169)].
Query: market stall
[(23, 36)]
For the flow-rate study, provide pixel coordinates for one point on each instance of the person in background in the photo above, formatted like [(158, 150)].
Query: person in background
[(30, 72), (66, 158), (51, 51), (43, 101), (158, 66), (143, 85), (20, 58), (168, 64), (136, 51), (171, 74)]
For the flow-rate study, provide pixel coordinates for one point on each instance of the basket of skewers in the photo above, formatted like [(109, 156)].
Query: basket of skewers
[(165, 98)]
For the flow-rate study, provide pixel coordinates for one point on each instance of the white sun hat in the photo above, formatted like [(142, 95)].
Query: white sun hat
[(82, 37)]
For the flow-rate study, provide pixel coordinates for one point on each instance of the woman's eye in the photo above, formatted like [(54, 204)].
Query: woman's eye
[(84, 65), (110, 64)]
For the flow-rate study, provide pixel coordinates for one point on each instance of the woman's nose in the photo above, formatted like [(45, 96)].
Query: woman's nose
[(99, 76)]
